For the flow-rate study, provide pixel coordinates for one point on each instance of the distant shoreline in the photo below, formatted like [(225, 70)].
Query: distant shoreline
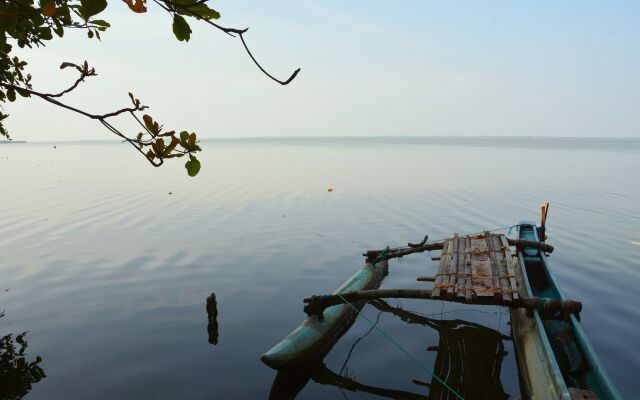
[(12, 141), (625, 144), (366, 138)]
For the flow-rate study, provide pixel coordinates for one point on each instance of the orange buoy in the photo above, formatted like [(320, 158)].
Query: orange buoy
[(330, 189)]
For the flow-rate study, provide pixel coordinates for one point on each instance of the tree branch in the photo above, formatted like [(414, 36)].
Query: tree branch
[(229, 31), (157, 149), (292, 77), (51, 99)]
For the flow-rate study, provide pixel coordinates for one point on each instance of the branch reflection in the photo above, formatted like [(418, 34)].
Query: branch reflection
[(17, 374)]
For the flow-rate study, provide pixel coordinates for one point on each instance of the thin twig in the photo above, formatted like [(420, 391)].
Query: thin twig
[(230, 32), (51, 98)]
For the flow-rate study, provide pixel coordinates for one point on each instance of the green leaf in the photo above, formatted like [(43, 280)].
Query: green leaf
[(148, 122), (45, 33), (159, 147), (23, 93), (171, 146), (11, 95), (181, 28), (192, 166), (89, 8), (198, 11), (101, 23), (184, 138), (58, 29)]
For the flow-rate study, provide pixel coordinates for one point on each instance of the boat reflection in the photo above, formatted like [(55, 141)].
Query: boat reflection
[(469, 359), (17, 374)]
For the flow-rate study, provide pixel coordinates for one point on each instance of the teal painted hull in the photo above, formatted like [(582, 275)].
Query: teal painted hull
[(554, 356), (313, 339)]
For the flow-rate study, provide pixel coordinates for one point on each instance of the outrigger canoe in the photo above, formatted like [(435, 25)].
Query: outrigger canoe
[(555, 359)]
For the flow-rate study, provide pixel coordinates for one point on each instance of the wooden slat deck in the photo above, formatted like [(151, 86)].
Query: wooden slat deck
[(476, 266)]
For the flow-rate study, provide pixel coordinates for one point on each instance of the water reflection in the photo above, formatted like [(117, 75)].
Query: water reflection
[(288, 384), (469, 356), (469, 359), (17, 374)]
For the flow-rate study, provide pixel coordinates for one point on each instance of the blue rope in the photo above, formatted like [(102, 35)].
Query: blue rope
[(415, 360)]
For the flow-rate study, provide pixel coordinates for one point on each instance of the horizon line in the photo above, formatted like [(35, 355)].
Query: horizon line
[(223, 138)]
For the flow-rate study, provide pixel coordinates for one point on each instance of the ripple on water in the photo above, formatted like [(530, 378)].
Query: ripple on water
[(109, 272)]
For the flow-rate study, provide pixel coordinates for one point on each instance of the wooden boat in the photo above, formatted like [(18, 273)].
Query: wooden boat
[(555, 358), (318, 333)]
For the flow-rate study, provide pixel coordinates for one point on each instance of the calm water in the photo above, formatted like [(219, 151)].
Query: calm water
[(107, 262)]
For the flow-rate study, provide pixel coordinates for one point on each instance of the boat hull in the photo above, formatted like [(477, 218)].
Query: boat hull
[(555, 358), (316, 335)]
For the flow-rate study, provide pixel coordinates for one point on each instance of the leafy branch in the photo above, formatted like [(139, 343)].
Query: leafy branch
[(29, 24), (150, 142)]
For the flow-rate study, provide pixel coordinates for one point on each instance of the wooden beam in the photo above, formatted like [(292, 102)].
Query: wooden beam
[(548, 308), (453, 268), (497, 259), (395, 253), (481, 267), (528, 243), (442, 268), (401, 252), (495, 274), (468, 280), (510, 263)]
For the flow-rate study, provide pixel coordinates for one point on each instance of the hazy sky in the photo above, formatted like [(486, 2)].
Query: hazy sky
[(551, 68)]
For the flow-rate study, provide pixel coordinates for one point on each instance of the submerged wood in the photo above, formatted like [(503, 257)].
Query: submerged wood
[(550, 308), (212, 316)]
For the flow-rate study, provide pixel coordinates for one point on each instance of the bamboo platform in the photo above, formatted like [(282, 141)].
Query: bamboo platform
[(475, 267)]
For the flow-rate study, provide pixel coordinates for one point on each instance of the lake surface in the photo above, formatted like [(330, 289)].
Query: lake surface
[(106, 262)]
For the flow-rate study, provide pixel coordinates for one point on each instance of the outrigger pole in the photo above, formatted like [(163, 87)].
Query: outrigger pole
[(548, 308), (401, 252)]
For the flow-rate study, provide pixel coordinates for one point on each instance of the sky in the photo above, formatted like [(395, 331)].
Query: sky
[(369, 68)]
